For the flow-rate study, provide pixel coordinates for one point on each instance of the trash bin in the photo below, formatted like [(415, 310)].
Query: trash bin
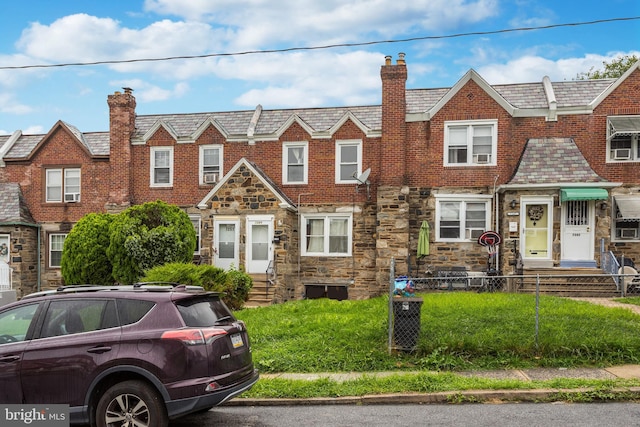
[(406, 322)]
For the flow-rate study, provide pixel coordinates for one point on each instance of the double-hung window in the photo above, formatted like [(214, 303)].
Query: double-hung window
[(462, 218), (623, 138), (161, 166), (295, 164), (348, 161), (210, 164), (56, 243), (327, 235), (62, 185), (470, 143)]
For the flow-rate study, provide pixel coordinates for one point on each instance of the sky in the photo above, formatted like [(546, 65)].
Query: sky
[(282, 53)]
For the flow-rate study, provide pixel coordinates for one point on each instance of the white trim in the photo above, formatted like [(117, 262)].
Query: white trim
[(326, 217), (463, 199), (470, 125), (198, 228), (49, 250), (201, 173), (338, 159), (152, 166), (285, 161)]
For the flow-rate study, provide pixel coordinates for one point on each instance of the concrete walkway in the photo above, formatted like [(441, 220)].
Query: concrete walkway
[(467, 396)]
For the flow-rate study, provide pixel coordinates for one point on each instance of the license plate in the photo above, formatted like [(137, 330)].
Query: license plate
[(236, 340)]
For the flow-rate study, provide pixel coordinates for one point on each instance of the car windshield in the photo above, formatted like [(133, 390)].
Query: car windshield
[(202, 312)]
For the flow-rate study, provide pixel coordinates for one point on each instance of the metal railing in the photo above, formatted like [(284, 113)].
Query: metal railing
[(6, 274)]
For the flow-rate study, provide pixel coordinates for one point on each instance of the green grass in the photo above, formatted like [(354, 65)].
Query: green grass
[(459, 331)]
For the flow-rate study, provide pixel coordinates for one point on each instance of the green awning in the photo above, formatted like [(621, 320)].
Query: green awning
[(567, 194)]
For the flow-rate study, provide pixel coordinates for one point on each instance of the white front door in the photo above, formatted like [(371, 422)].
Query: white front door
[(578, 230), (227, 237), (259, 243), (536, 222)]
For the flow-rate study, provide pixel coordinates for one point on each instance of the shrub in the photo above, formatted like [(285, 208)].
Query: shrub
[(84, 256), (234, 285), (149, 235)]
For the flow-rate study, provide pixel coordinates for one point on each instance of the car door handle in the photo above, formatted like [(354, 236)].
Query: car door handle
[(9, 359), (99, 349)]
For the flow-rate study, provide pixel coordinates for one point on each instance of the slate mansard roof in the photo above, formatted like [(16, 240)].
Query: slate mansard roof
[(259, 124)]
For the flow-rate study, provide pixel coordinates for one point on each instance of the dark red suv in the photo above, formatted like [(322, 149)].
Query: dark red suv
[(125, 355)]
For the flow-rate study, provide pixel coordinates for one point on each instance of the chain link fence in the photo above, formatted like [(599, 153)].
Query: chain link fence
[(404, 310)]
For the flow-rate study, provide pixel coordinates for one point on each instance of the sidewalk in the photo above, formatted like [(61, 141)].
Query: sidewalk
[(475, 396)]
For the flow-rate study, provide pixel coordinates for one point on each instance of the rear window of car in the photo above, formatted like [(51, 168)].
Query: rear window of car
[(204, 311), (131, 310)]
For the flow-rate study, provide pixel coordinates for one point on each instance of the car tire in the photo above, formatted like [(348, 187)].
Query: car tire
[(131, 403)]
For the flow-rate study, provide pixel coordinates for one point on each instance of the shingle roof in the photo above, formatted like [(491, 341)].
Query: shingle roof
[(553, 161), (13, 208), (238, 123)]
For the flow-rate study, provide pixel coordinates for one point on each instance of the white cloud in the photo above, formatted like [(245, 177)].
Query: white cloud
[(533, 68), (310, 79), (9, 105), (146, 92)]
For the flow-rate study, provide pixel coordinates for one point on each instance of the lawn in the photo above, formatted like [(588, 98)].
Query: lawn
[(459, 331)]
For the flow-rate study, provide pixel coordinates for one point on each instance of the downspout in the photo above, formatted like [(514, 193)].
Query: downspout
[(300, 230), (497, 221), (38, 227)]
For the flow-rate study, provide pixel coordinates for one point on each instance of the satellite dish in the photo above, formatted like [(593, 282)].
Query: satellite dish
[(363, 178)]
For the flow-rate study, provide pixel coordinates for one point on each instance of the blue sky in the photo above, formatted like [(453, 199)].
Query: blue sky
[(40, 32)]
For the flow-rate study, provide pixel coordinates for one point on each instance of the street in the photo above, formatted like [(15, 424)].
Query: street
[(476, 415)]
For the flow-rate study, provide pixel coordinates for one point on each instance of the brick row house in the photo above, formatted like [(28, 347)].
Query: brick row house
[(318, 201)]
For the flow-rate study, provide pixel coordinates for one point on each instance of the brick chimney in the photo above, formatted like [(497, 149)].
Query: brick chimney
[(394, 109), (122, 120)]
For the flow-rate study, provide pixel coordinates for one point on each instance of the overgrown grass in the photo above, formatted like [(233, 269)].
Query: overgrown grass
[(459, 331)]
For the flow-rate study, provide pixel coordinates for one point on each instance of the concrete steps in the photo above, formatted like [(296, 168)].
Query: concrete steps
[(569, 282), (262, 292)]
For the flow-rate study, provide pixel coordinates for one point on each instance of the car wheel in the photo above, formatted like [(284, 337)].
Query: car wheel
[(131, 404)]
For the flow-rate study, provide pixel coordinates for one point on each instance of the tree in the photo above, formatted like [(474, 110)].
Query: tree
[(84, 256), (612, 70), (148, 235)]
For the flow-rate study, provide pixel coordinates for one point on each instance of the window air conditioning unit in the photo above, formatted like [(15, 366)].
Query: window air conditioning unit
[(622, 153), (72, 197), (481, 158), (629, 233), (210, 178)]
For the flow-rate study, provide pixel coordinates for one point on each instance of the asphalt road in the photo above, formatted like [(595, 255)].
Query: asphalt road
[(476, 415)]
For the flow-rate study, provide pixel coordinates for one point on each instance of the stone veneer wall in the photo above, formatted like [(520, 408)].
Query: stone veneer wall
[(23, 258)]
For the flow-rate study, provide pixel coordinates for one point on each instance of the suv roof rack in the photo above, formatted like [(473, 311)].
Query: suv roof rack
[(139, 286)]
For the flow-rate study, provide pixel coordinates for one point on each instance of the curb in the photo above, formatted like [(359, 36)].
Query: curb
[(452, 397)]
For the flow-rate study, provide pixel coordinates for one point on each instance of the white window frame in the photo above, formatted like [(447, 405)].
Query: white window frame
[(326, 218), (340, 144), (196, 220), (153, 167), (61, 190), (286, 161), (470, 125), (620, 223), (634, 155), (202, 165), (51, 248), (5, 246), (463, 200)]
